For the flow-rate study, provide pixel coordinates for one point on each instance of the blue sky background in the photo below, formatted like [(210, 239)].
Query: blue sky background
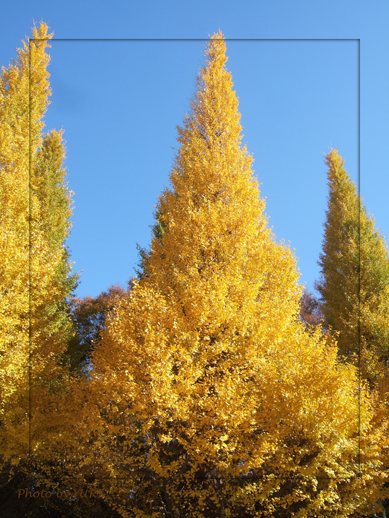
[(120, 102)]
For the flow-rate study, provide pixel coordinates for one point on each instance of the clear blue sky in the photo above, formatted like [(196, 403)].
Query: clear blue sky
[(119, 104)]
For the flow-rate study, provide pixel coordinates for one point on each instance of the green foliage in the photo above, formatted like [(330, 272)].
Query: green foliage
[(354, 284), (55, 200)]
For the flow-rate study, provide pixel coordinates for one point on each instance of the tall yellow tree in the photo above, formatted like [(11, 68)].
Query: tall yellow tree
[(354, 283), (208, 397), (34, 270)]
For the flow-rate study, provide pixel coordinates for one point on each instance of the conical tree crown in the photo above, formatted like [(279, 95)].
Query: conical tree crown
[(24, 266), (34, 274), (354, 283), (207, 396), (218, 292), (212, 251)]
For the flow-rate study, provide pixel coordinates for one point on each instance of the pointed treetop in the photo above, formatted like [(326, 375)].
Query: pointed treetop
[(354, 262), (206, 355), (338, 176), (215, 105), (212, 236)]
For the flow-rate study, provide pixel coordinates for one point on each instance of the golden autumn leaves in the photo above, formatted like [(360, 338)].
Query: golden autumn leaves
[(208, 396), (34, 273), (227, 405)]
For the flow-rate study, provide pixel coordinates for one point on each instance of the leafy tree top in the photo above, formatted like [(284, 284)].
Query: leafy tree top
[(212, 235), (354, 284), (208, 397)]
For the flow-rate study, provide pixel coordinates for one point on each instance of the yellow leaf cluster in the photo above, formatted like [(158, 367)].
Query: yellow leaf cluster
[(28, 284), (207, 396)]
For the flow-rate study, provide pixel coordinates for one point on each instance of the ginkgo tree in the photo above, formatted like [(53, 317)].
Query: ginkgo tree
[(35, 272), (208, 397), (354, 284)]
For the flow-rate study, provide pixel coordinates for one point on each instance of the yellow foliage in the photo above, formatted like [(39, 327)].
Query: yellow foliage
[(28, 284), (354, 283), (207, 396)]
